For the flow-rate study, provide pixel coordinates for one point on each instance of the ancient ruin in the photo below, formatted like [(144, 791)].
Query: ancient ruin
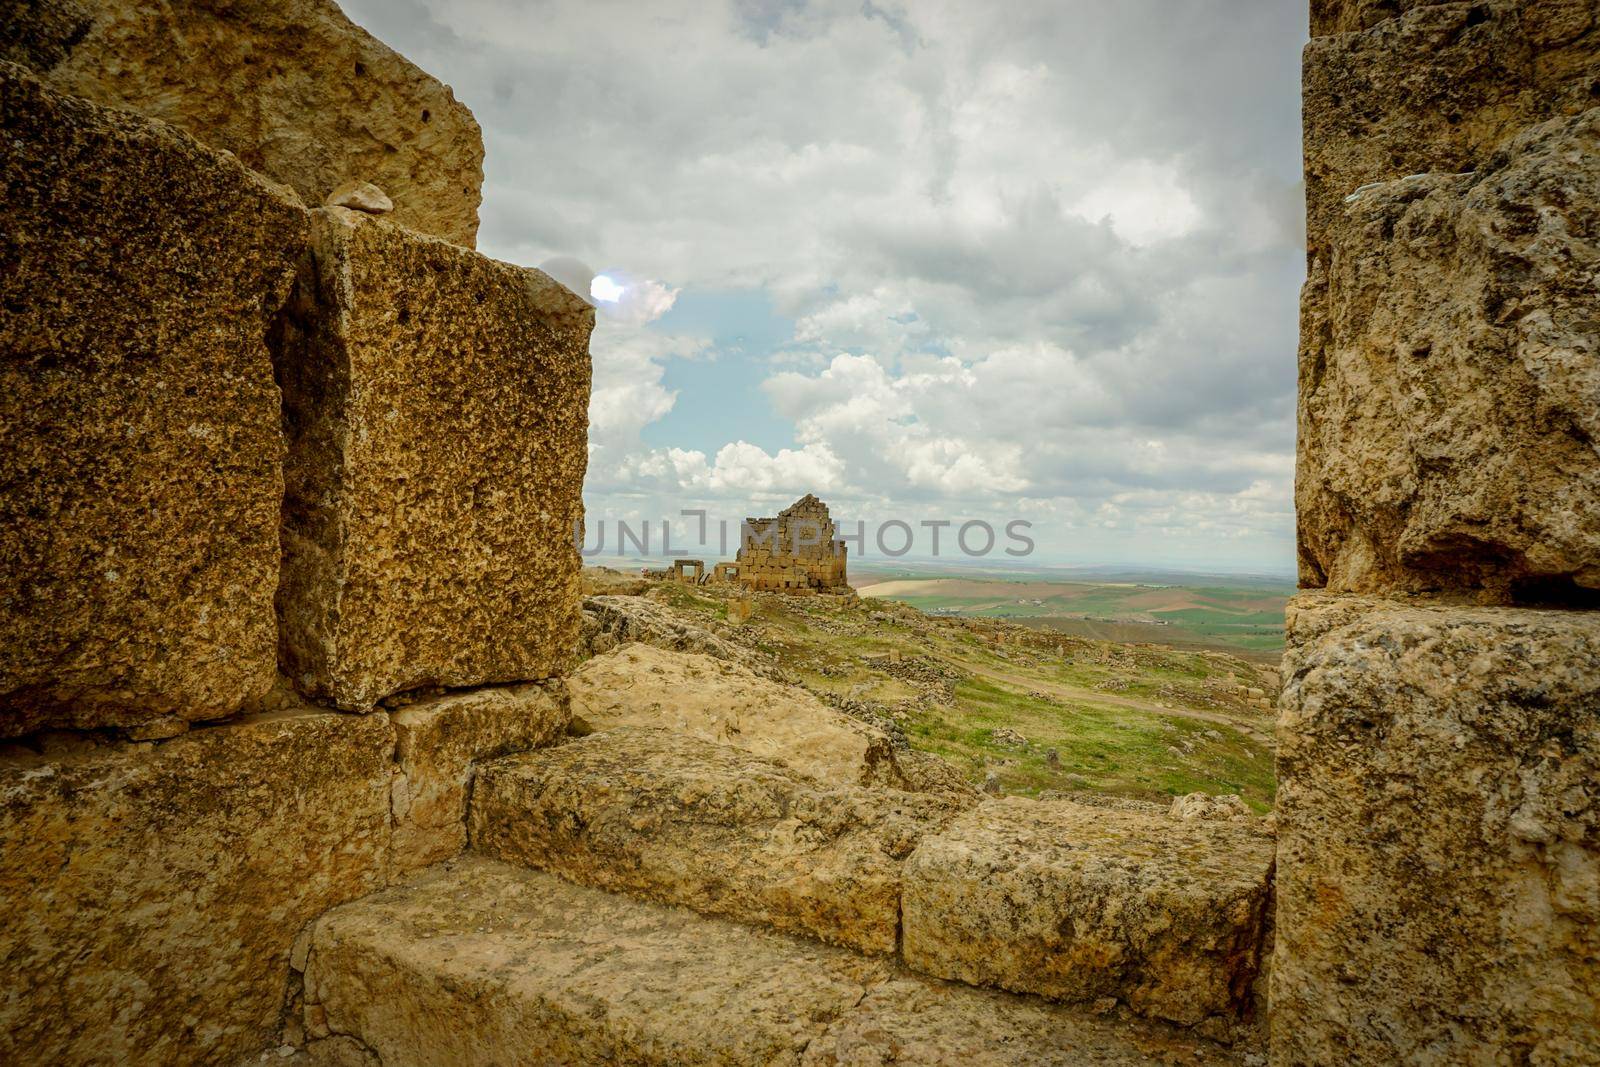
[(297, 763), (796, 551)]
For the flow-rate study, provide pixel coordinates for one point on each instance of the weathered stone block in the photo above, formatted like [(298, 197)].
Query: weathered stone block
[(723, 703), (1437, 90), (1078, 903), (439, 743), (140, 445), (436, 403), (1450, 404), (151, 893), (291, 87), (679, 820), (1438, 878), (480, 963)]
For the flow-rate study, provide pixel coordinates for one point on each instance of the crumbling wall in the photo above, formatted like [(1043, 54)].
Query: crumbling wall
[(1439, 737), (796, 550), (291, 87)]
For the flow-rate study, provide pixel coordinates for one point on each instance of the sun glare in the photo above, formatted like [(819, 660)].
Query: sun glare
[(603, 288)]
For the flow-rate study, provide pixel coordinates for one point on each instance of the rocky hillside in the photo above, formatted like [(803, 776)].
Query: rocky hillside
[(1007, 708)]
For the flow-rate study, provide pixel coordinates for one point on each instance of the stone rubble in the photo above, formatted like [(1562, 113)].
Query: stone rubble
[(360, 196)]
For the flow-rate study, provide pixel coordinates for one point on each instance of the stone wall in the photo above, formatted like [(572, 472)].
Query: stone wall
[(436, 408), (141, 460), (152, 891), (1439, 850), (228, 423), (1439, 834), (1447, 394), (795, 551), (291, 87)]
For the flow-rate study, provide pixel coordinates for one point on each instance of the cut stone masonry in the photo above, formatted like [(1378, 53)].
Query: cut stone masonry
[(292, 88), (141, 460), (435, 403), (1438, 877), (798, 551)]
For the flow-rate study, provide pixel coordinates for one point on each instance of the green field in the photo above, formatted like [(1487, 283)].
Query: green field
[(1244, 618)]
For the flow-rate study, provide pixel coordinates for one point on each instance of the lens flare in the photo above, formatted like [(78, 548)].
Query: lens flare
[(604, 288)]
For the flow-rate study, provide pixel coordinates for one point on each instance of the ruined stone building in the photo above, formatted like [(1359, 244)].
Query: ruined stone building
[(295, 765), (796, 551)]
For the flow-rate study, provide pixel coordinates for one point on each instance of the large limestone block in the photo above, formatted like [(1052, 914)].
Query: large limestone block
[(1435, 90), (439, 743), (679, 820), (1450, 413), (717, 701), (1077, 903), (480, 963), (140, 446), (151, 893), (1438, 877), (291, 87), (437, 409)]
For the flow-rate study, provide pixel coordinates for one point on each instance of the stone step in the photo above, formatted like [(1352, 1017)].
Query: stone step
[(1067, 901), (678, 819), (478, 962), (1079, 903)]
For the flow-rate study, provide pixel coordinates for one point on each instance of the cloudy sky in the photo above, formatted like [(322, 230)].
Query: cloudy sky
[(930, 260)]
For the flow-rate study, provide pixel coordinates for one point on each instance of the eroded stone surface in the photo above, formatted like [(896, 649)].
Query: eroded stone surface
[(477, 962), (1439, 871), (1438, 91), (437, 409), (911, 1020), (1204, 806), (1078, 903), (612, 619), (721, 702), (1448, 404), (140, 446), (151, 893), (1546, 22), (439, 741), (1352, 16), (291, 87), (680, 820), (360, 196)]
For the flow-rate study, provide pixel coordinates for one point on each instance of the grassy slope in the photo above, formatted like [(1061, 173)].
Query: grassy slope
[(1135, 721)]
